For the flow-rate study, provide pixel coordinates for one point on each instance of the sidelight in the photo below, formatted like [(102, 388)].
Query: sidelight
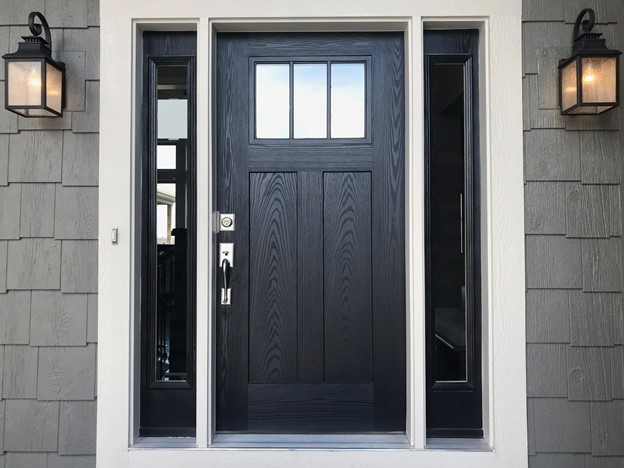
[(452, 235), (168, 236)]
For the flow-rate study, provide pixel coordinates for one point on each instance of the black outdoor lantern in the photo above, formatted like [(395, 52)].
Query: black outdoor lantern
[(589, 79), (35, 83)]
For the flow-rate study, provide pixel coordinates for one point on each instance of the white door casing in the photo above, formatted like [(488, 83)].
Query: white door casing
[(502, 247)]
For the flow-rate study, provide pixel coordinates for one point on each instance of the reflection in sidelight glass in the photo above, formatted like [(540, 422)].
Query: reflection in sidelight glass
[(273, 100), (166, 157), (171, 229), (348, 100), (447, 190), (310, 100)]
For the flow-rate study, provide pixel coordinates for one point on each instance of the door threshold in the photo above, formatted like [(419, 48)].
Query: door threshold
[(312, 441)]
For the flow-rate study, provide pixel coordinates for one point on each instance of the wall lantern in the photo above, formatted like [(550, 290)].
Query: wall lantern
[(589, 79), (35, 83)]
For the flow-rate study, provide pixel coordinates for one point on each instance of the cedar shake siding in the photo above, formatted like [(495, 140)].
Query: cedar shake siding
[(48, 252), (573, 212)]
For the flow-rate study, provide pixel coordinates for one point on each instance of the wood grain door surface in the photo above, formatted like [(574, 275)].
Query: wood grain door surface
[(314, 340)]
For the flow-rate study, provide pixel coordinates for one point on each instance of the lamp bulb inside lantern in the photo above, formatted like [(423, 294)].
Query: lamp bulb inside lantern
[(34, 80)]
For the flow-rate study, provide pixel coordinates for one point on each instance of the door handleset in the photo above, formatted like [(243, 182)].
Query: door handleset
[(226, 262), (226, 291)]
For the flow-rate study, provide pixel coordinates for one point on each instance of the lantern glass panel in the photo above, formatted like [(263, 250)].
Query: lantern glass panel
[(24, 82), (568, 86), (54, 88), (35, 113), (599, 79)]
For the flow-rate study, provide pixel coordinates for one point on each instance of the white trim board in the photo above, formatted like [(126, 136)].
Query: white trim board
[(503, 226)]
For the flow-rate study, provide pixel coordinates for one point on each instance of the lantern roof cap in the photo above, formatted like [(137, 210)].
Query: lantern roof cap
[(586, 42), (35, 46)]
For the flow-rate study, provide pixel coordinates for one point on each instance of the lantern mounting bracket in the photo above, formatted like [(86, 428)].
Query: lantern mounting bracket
[(37, 29), (587, 24)]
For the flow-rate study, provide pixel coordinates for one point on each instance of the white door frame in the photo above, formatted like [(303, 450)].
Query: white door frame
[(504, 386)]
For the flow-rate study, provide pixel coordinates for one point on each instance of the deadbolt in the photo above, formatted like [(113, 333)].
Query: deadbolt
[(226, 222)]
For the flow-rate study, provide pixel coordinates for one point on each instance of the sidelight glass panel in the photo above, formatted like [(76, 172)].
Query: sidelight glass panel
[(273, 100), (172, 102), (448, 245), (171, 226), (348, 100), (166, 157), (310, 100), (165, 213)]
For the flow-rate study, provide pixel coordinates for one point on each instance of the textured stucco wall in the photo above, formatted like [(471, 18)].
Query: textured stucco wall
[(48, 252), (573, 200)]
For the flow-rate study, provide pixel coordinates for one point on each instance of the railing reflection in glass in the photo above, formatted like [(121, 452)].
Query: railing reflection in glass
[(171, 324)]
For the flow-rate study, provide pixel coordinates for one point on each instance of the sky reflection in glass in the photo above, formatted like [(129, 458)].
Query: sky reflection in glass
[(348, 114), (272, 100), (310, 100)]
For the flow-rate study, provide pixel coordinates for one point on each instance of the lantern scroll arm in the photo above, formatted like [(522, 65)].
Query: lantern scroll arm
[(37, 29), (587, 25)]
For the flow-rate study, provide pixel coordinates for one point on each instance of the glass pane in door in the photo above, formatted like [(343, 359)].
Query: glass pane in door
[(273, 100)]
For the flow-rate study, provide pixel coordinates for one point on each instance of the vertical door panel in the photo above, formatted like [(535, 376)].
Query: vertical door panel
[(310, 278), (273, 277), (348, 303)]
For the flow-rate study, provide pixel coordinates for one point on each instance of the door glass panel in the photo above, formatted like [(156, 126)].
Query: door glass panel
[(171, 200), (273, 100), (310, 100), (447, 220), (348, 100)]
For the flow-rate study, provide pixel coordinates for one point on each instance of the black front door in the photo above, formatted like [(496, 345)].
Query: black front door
[(310, 160)]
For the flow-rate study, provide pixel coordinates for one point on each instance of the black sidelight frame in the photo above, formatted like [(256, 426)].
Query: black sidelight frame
[(454, 408), (167, 407)]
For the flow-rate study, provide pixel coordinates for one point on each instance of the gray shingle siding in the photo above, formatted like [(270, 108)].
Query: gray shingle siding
[(573, 207), (48, 252)]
